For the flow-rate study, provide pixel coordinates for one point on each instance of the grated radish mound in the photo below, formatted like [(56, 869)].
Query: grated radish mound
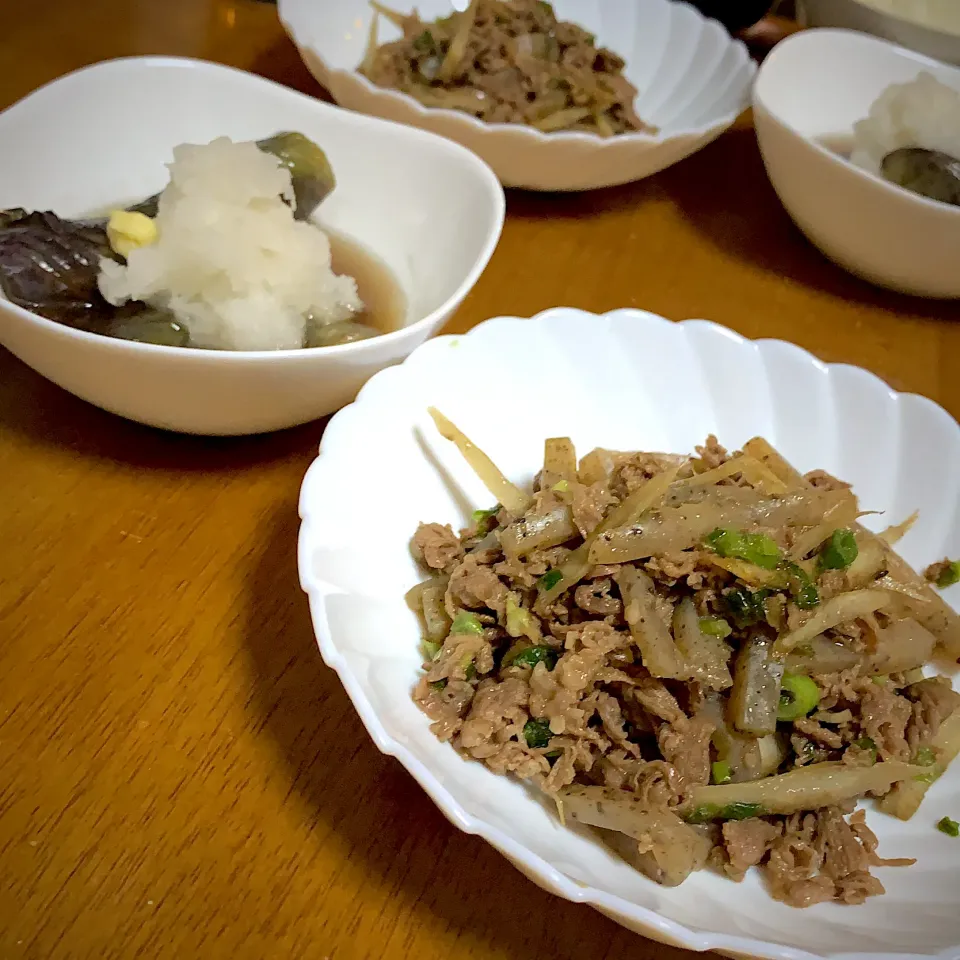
[(922, 113), (230, 261)]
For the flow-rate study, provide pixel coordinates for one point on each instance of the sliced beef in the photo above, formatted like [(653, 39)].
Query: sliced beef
[(933, 701), (497, 713), (746, 843), (436, 546), (589, 505), (474, 587), (686, 745), (884, 716), (822, 480), (711, 453), (818, 733), (596, 597)]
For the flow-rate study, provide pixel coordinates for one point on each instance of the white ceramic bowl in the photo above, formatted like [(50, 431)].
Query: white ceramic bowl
[(915, 25), (627, 380), (817, 84), (429, 209), (693, 82)]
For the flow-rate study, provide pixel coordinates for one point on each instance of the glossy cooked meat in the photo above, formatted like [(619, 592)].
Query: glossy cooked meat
[(508, 61), (705, 657)]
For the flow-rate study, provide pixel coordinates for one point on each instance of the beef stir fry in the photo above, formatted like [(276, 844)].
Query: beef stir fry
[(706, 658), (507, 61)]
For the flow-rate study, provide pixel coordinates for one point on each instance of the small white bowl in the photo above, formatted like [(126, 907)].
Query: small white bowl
[(427, 208), (911, 26), (817, 84), (612, 381), (694, 81)]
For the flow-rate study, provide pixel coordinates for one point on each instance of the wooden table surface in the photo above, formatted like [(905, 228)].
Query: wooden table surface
[(180, 775)]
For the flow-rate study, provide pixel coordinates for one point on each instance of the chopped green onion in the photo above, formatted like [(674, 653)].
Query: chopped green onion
[(531, 656), (755, 548), (733, 811), (839, 551), (803, 590), (745, 605), (485, 520), (799, 695), (741, 811), (470, 670), (703, 814), (925, 757), (561, 486), (466, 623), (950, 827), (720, 772), (928, 778), (880, 679), (949, 576), (537, 733), (715, 627), (807, 597), (424, 42), (430, 649), (520, 622), (725, 542), (866, 743), (438, 684), (550, 579)]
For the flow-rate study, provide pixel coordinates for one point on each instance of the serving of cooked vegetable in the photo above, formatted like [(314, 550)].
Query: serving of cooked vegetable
[(506, 61), (225, 257), (707, 658), (911, 138)]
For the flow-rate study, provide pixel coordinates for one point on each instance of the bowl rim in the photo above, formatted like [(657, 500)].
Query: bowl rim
[(897, 18), (531, 133), (815, 35), (425, 324), (531, 864)]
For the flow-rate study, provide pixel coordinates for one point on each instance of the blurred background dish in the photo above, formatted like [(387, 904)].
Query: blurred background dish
[(810, 92), (931, 27), (693, 82)]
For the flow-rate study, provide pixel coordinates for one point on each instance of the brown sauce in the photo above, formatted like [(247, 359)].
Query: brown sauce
[(383, 298)]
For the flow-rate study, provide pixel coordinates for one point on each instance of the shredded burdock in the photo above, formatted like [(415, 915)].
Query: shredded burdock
[(506, 61), (706, 658)]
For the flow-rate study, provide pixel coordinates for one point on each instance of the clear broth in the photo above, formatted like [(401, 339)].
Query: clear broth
[(383, 298)]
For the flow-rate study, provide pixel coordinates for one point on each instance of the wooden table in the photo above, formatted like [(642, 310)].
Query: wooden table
[(180, 775)]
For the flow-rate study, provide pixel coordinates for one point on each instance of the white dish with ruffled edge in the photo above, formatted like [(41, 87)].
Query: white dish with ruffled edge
[(694, 80), (626, 380)]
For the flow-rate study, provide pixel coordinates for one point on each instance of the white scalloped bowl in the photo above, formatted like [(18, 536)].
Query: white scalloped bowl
[(694, 81), (626, 380)]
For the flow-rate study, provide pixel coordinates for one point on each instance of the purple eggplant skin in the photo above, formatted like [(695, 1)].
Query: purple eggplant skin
[(49, 266)]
